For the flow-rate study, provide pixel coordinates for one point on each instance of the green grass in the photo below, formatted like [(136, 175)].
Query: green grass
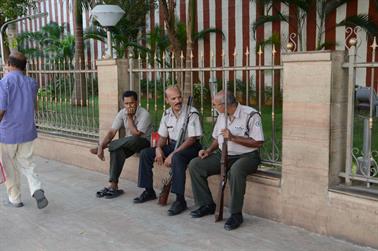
[(62, 114)]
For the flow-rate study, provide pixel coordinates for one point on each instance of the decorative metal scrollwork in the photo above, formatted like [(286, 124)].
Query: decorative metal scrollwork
[(267, 153), (292, 44), (365, 167), (352, 37)]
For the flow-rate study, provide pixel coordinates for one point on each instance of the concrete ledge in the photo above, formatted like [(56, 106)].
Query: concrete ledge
[(304, 56), (355, 191), (266, 178), (262, 192), (69, 151)]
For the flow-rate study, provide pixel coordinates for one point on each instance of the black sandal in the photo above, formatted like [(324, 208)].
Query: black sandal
[(113, 193), (102, 192)]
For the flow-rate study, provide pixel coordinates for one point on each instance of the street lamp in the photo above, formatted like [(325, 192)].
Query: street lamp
[(4, 26), (108, 16)]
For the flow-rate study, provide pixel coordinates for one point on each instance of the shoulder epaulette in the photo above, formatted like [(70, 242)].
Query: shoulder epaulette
[(250, 115)]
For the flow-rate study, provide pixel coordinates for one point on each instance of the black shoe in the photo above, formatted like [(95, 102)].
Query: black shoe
[(145, 196), (177, 207), (233, 222), (7, 203), (202, 211), (39, 196)]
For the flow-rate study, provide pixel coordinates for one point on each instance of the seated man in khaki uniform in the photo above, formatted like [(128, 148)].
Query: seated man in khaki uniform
[(245, 136), (175, 158), (137, 123)]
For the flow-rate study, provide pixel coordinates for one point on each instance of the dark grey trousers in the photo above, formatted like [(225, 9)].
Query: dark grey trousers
[(240, 166), (120, 150)]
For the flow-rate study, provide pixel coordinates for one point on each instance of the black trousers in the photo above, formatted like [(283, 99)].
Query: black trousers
[(180, 161)]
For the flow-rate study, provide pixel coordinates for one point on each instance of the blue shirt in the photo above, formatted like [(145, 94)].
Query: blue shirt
[(17, 98)]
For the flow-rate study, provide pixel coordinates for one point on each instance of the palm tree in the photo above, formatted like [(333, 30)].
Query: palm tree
[(50, 43), (182, 36), (11, 9), (79, 91)]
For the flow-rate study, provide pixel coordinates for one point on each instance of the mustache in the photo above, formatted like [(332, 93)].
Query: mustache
[(178, 104)]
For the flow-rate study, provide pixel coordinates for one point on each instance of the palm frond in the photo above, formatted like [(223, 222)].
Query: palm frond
[(201, 34), (274, 39), (268, 19), (363, 21)]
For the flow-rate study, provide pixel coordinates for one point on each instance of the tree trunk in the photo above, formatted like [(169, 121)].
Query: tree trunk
[(79, 94), (170, 23), (11, 34), (189, 47), (5, 48)]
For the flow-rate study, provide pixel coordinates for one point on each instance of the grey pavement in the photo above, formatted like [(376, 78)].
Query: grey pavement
[(76, 220)]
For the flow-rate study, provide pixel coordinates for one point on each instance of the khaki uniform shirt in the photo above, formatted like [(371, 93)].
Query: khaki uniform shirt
[(142, 121), (171, 126), (238, 127)]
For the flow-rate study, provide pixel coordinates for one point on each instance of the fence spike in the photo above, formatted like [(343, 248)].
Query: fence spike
[(260, 52), (374, 45)]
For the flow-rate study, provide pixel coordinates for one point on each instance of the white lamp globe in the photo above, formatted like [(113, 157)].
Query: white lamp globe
[(107, 15)]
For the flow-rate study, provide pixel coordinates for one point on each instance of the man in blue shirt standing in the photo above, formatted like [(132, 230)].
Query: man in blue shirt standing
[(18, 131)]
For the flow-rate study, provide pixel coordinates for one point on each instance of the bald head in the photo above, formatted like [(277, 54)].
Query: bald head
[(17, 60), (172, 90), (220, 98), (173, 98)]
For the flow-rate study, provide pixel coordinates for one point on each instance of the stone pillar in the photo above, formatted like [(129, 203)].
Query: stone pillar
[(113, 80), (314, 133)]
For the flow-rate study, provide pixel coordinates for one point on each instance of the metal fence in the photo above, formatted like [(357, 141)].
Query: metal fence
[(362, 124), (258, 85), (67, 100)]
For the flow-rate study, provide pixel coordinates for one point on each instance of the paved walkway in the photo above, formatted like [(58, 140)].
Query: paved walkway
[(76, 220)]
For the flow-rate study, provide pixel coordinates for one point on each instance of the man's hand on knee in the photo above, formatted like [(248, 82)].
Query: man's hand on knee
[(100, 153)]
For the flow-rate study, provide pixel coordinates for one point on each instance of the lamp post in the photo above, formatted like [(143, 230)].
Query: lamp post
[(4, 26), (108, 16)]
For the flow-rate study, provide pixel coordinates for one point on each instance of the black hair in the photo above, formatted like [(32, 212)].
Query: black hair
[(130, 94), (19, 63)]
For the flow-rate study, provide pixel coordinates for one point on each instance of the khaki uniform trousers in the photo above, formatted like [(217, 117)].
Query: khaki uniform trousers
[(240, 166)]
